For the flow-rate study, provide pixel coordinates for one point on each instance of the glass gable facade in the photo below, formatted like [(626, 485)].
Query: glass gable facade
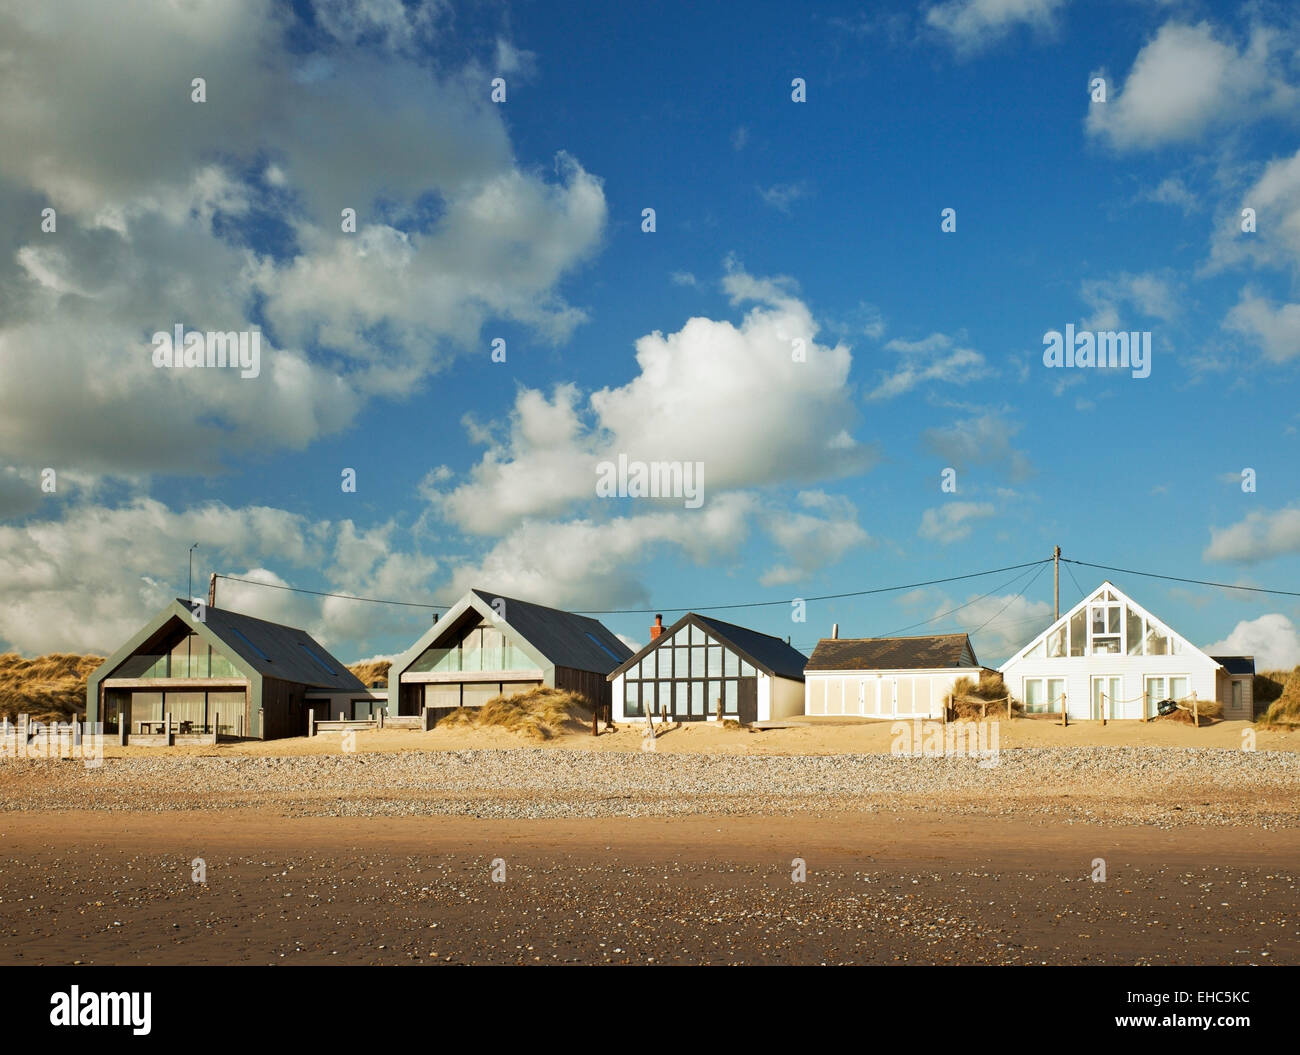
[(482, 647), (685, 676), (1106, 625), (189, 657)]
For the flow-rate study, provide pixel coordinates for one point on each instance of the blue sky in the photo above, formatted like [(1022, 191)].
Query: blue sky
[(775, 220)]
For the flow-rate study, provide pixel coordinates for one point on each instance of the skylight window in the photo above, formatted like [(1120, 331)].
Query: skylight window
[(244, 638), (318, 661), (602, 646)]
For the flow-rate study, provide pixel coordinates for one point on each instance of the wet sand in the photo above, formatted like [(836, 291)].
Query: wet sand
[(901, 886)]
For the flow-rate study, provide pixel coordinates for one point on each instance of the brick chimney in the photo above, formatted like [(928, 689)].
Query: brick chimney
[(658, 627)]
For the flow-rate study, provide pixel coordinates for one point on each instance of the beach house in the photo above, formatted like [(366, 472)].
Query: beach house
[(887, 677), (488, 645), (225, 673), (700, 668), (1109, 657)]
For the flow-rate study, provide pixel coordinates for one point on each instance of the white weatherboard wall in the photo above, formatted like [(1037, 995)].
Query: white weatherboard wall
[(1148, 656), (882, 693)]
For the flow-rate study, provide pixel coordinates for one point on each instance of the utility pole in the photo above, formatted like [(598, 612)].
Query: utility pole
[(189, 589), (1056, 576)]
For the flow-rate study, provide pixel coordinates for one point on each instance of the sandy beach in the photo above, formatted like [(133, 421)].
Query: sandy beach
[(689, 854)]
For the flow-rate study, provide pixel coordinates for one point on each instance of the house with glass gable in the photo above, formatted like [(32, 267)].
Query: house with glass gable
[(227, 674), (1109, 657), (701, 667), (488, 645)]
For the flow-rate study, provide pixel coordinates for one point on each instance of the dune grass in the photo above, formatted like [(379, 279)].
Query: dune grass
[(539, 714), (48, 688), (371, 671), (1283, 710), (971, 699)]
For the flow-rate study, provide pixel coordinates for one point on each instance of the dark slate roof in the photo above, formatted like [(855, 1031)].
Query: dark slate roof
[(1236, 664), (565, 639), (768, 653), (278, 651), (891, 653)]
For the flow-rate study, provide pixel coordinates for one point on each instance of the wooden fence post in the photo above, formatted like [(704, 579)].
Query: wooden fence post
[(311, 721), (167, 729), (1065, 710)]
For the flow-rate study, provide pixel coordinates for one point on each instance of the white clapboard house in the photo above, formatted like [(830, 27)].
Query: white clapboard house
[(887, 677), (1109, 657)]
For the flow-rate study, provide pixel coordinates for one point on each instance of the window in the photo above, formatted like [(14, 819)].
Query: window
[(1237, 698), (1056, 642), (1078, 632), (1043, 695), (1159, 687), (715, 661), (632, 699), (665, 662), (697, 699), (1133, 630), (1104, 628), (318, 661), (244, 638), (730, 664), (697, 661)]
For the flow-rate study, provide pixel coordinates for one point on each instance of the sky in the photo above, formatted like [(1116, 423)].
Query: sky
[(855, 375)]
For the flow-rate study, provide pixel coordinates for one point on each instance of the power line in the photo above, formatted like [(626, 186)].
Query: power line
[(823, 597), (1023, 589), (654, 611), (1074, 580), (942, 615), (325, 593), (1177, 578)]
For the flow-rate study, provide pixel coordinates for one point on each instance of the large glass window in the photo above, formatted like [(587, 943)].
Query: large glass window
[(1079, 632), (1133, 631), (730, 664), (632, 699), (1056, 642), (715, 661)]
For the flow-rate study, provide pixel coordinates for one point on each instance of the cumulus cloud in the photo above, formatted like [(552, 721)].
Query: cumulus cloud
[(972, 25), (1272, 639), (733, 397), (1259, 536), (981, 440), (782, 195), (1275, 198), (953, 521), (225, 215), (86, 580), (935, 358), (820, 532), (1273, 328), (1148, 294), (1187, 80)]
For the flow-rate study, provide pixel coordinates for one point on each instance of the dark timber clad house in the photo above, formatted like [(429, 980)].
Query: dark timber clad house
[(687, 668), (488, 645), (259, 677)]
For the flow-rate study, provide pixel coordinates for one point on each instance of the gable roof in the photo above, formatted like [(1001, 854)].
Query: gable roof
[(1119, 596), (564, 638), (551, 636), (279, 651), (771, 655), (893, 653), (254, 646), (1236, 664)]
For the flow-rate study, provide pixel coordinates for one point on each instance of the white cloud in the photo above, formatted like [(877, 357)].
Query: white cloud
[(1272, 639), (782, 195), (1149, 294), (981, 440), (1274, 328), (88, 578), (1259, 536), (971, 25), (1187, 80), (934, 358), (953, 521), (1275, 197), (813, 539), (97, 122), (732, 397)]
